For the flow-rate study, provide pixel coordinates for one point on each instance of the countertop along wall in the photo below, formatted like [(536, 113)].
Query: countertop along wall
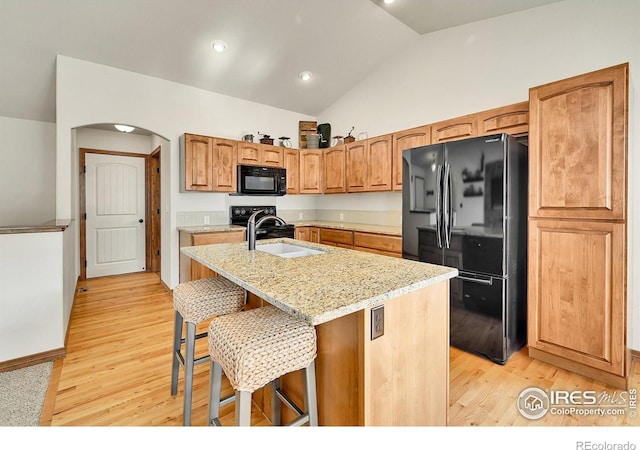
[(493, 63)]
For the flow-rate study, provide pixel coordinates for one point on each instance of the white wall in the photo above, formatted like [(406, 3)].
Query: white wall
[(27, 174), (32, 312), (493, 63), (165, 108), (113, 141)]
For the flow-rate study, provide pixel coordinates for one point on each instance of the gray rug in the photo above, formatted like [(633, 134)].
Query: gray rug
[(22, 393)]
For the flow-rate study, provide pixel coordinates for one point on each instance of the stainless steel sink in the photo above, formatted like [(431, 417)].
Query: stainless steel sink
[(287, 250)]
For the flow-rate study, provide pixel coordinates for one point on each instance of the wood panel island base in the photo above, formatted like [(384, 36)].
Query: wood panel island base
[(398, 378)]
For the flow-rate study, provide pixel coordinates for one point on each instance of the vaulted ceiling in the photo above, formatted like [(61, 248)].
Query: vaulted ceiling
[(269, 42)]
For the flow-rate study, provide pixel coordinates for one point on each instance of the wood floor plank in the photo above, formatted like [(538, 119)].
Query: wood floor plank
[(117, 371)]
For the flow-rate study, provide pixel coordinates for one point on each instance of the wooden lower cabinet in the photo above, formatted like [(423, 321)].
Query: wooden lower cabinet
[(309, 234), (380, 244), (337, 238), (193, 270), (400, 378), (577, 289)]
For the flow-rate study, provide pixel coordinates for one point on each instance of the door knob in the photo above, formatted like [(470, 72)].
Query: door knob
[(140, 221)]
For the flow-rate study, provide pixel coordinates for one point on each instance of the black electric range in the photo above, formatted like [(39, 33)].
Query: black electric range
[(239, 215)]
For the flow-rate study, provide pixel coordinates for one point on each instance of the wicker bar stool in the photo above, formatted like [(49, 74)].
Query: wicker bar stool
[(194, 302), (255, 348)]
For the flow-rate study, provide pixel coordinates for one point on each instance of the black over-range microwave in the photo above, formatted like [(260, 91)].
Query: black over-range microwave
[(260, 180)]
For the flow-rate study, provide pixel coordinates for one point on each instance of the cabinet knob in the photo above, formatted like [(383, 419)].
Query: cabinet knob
[(140, 221)]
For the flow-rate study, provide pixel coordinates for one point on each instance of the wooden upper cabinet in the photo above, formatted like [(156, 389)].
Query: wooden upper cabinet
[(379, 157), (223, 165), (257, 154), (292, 166), (311, 171), (454, 129), (271, 156), (335, 170), (577, 146), (356, 166), (402, 140), (249, 153), (511, 119), (197, 154)]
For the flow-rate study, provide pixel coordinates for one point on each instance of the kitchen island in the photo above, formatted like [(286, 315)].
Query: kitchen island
[(398, 378)]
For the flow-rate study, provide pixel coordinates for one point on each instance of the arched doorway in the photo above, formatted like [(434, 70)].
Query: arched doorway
[(112, 250)]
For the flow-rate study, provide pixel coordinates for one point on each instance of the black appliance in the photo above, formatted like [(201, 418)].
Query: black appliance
[(464, 205), (239, 215), (261, 180)]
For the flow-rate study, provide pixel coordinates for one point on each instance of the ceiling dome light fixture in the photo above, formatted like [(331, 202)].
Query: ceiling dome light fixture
[(305, 76), (124, 128), (388, 2), (218, 45)]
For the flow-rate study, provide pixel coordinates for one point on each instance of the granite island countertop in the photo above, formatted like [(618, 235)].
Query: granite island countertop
[(318, 288)]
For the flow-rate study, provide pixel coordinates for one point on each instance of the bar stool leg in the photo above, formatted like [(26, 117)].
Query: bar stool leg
[(190, 351), (177, 342), (215, 386), (310, 398), (276, 403), (243, 408)]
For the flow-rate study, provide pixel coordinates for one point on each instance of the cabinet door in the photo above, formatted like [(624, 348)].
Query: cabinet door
[(224, 165), (249, 153), (198, 162), (357, 166), (454, 129), (577, 146), (311, 171), (335, 170), (337, 238), (379, 157), (292, 166), (402, 140), (302, 233), (511, 119), (577, 284), (271, 156)]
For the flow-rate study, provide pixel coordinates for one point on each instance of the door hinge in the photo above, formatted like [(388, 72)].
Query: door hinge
[(158, 211), (85, 263), (158, 253), (157, 169), (85, 216)]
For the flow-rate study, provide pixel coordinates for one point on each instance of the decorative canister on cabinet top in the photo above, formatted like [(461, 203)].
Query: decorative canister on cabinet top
[(313, 140)]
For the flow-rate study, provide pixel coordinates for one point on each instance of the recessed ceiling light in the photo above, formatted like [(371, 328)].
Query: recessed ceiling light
[(124, 128), (388, 2), (218, 46), (305, 76)]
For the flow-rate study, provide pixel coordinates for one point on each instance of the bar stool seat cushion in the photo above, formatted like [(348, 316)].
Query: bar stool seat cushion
[(257, 346), (202, 299)]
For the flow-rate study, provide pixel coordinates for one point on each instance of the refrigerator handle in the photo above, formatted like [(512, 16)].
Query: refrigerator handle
[(446, 202), (439, 205)]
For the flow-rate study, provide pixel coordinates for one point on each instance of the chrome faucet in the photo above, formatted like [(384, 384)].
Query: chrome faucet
[(253, 225)]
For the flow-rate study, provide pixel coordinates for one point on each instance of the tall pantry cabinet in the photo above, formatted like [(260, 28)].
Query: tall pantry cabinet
[(577, 290)]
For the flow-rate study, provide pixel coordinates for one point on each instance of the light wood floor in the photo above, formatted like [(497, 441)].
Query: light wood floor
[(118, 369)]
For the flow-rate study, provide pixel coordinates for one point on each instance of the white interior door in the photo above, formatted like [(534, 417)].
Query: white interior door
[(115, 206)]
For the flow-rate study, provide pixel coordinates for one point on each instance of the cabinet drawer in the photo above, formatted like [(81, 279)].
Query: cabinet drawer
[(336, 236), (218, 238), (383, 242)]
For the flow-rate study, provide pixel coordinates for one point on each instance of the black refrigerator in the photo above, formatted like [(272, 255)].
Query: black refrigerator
[(464, 205)]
